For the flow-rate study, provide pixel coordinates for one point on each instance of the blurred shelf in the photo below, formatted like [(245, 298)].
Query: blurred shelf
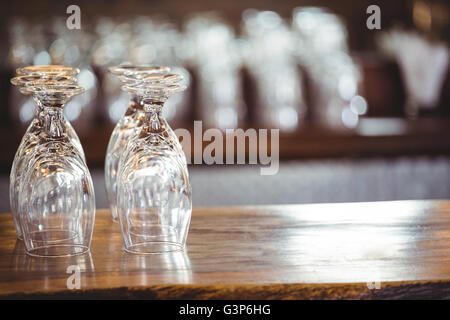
[(372, 137)]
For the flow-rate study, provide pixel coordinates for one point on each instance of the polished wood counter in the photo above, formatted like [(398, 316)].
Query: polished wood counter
[(398, 249)]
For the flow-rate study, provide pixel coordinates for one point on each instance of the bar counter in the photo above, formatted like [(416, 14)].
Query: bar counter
[(370, 250)]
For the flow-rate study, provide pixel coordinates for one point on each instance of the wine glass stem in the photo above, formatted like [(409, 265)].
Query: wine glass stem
[(53, 121), (40, 112), (153, 115)]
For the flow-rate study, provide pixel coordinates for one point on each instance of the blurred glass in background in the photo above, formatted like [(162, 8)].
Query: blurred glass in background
[(300, 69)]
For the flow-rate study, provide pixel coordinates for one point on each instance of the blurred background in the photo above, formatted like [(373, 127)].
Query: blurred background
[(364, 115)]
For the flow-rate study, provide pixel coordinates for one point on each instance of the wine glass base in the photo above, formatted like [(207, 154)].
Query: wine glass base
[(60, 250), (154, 247)]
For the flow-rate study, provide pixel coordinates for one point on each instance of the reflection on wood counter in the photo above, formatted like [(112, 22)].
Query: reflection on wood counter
[(395, 249)]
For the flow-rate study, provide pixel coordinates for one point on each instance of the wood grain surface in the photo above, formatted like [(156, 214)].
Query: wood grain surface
[(398, 249)]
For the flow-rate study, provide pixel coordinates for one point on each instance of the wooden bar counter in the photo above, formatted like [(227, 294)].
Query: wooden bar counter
[(376, 250)]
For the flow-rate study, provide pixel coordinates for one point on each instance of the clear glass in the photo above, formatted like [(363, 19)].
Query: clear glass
[(211, 46), (153, 189), (274, 74), (50, 70), (30, 138), (423, 66), (56, 206), (126, 128), (79, 111), (320, 47)]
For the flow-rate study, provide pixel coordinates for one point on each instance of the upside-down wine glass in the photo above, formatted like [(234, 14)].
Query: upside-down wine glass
[(46, 76), (153, 189), (56, 198), (126, 128)]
